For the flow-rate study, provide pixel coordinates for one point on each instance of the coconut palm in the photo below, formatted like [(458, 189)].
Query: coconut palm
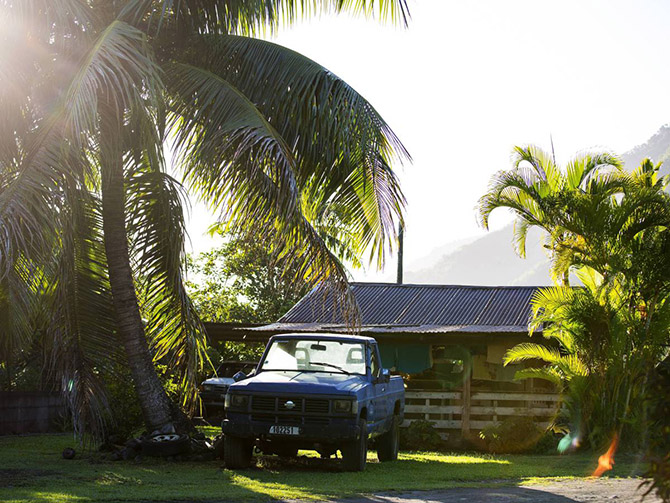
[(92, 220)]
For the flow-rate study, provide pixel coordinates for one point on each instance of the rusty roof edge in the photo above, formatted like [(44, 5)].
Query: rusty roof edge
[(394, 328)]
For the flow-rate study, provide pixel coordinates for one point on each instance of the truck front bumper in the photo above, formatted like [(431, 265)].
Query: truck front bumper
[(338, 429), (213, 398)]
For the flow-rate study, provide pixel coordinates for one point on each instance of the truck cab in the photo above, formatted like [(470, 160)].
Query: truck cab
[(325, 392)]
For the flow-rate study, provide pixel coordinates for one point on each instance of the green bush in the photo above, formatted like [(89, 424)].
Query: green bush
[(123, 403), (420, 435), (512, 435), (658, 454)]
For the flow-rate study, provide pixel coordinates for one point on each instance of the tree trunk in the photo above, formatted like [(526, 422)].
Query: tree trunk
[(156, 406)]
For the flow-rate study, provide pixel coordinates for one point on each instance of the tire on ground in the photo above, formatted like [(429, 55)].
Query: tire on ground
[(237, 452), (387, 444), (355, 452)]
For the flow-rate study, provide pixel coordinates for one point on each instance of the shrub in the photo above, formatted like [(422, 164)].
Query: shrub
[(658, 453), (512, 435), (420, 435), (123, 402)]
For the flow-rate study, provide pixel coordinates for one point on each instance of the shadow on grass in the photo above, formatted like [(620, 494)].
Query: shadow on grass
[(475, 495)]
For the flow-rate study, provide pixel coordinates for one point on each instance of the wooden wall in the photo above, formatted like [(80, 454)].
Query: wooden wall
[(30, 412), (468, 412)]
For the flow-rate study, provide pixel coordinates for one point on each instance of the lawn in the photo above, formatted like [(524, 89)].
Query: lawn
[(31, 469)]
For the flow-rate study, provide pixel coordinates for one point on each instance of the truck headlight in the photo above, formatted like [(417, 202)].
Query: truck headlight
[(345, 406), (236, 401)]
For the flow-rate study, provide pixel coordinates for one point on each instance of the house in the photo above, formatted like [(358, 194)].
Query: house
[(448, 341)]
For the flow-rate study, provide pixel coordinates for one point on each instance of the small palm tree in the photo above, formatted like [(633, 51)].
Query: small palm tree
[(92, 221), (590, 212), (544, 196), (610, 227)]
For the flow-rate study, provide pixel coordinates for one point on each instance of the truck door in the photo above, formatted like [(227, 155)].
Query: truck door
[(380, 400)]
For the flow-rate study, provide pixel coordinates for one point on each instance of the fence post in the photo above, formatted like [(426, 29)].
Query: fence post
[(465, 413)]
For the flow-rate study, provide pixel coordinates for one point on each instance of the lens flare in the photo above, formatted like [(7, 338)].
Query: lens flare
[(569, 442), (606, 461)]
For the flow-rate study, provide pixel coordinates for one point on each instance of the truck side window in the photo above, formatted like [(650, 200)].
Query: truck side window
[(374, 363)]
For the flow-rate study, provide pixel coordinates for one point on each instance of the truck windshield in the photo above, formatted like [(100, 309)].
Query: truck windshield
[(312, 355)]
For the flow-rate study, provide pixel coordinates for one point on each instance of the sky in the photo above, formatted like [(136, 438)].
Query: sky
[(469, 79)]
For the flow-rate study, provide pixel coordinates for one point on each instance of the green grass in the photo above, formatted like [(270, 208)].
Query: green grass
[(31, 469)]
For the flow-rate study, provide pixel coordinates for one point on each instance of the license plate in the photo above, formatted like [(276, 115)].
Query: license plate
[(284, 430)]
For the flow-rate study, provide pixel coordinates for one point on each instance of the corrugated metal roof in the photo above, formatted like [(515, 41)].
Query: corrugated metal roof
[(422, 308)]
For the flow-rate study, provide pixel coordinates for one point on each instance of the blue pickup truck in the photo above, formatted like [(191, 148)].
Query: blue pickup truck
[(325, 392)]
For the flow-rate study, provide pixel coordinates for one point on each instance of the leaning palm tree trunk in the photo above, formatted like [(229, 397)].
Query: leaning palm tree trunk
[(155, 404)]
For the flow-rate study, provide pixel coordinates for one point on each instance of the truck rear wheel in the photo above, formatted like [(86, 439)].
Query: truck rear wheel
[(387, 444), (355, 453), (237, 452)]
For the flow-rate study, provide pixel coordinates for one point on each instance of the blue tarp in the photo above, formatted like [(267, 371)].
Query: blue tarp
[(406, 358)]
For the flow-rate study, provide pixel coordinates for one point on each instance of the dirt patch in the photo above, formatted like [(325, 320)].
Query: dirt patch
[(563, 491)]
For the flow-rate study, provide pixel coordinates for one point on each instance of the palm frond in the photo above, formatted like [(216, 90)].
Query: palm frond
[(531, 351), (20, 293), (546, 373), (342, 148), (217, 129), (544, 172), (511, 189), (82, 328), (589, 166), (157, 229), (520, 234), (250, 17), (52, 21), (118, 66), (242, 164)]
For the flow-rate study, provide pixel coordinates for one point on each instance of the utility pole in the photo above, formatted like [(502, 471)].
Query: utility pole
[(401, 232)]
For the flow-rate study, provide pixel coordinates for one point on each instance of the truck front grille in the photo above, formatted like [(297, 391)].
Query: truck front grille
[(284, 404), (316, 406), (290, 410), (290, 404), (263, 403), (263, 418), (317, 420)]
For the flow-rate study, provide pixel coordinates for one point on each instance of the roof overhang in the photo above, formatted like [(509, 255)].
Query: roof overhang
[(392, 329)]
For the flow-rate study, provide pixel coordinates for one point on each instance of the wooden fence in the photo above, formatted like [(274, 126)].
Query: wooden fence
[(30, 412), (460, 410)]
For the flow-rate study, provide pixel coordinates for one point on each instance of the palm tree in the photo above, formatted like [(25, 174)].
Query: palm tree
[(590, 212), (554, 200), (608, 226), (90, 218)]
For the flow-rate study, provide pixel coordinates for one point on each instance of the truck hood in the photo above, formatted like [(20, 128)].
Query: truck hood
[(219, 381), (301, 382)]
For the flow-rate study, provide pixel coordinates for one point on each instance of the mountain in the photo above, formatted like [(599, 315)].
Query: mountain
[(491, 260), (657, 148)]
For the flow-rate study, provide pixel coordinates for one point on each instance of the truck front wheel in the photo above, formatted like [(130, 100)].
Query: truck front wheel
[(355, 453), (387, 445), (237, 452)]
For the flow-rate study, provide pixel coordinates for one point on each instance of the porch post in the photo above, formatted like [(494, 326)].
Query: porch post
[(465, 414)]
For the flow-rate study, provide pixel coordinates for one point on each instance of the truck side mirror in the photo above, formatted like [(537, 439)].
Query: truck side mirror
[(385, 375), (239, 376)]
